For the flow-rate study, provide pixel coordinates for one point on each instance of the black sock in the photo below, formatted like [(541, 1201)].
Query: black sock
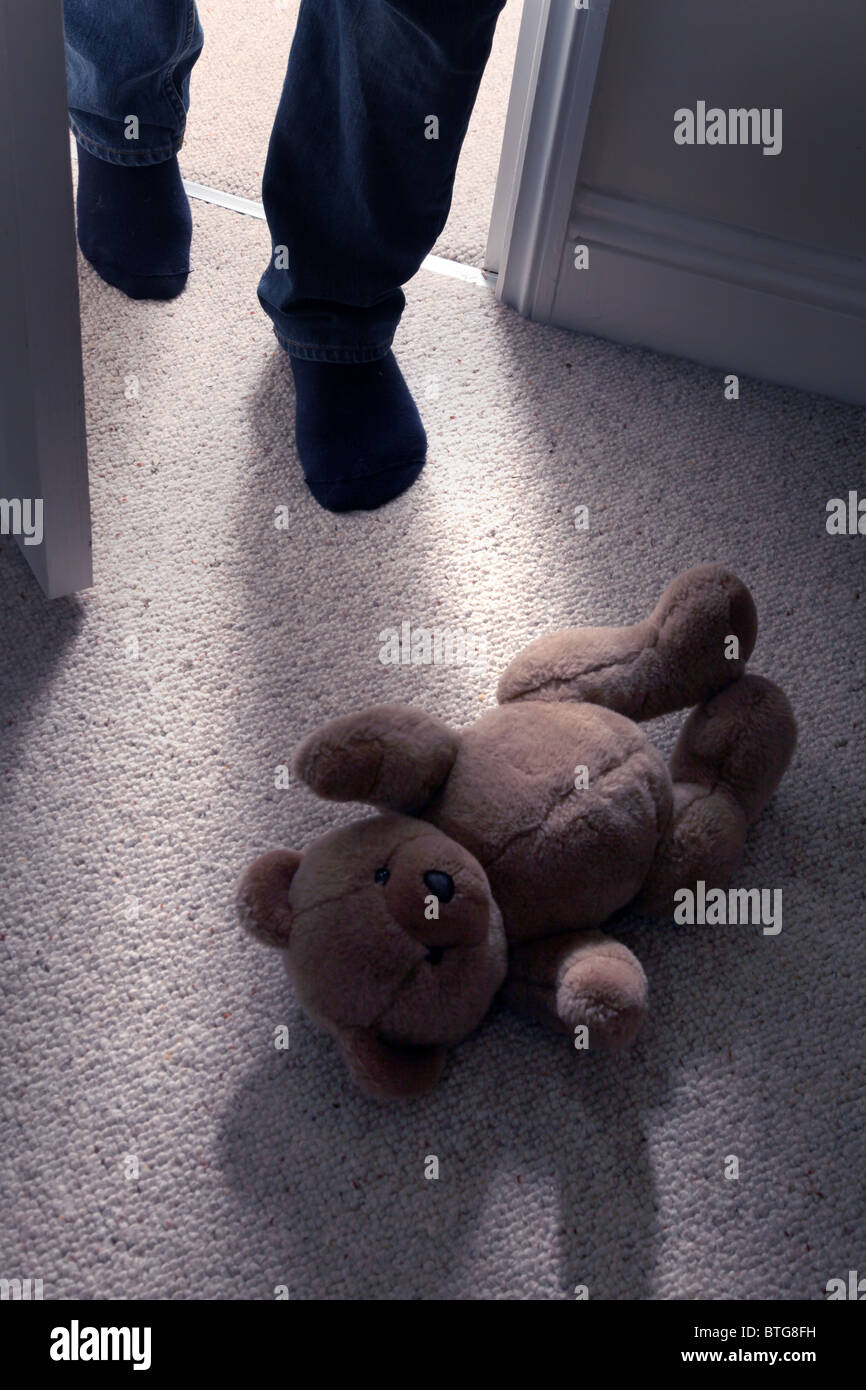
[(359, 435), (134, 225)]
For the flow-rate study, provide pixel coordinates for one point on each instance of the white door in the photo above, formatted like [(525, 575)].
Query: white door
[(44, 495), (610, 220)]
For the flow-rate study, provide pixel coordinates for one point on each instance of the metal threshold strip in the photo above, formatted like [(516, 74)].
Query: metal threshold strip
[(439, 265)]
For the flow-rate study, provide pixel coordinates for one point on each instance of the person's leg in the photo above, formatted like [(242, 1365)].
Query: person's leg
[(127, 67), (357, 187)]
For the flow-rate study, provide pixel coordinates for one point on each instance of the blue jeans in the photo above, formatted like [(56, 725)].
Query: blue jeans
[(360, 167)]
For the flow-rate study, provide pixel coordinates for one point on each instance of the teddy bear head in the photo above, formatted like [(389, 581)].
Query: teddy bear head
[(392, 940)]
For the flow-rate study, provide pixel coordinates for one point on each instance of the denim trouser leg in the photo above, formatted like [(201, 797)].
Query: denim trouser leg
[(130, 58), (357, 187)]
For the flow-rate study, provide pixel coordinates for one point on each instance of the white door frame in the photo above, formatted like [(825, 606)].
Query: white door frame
[(43, 448), (558, 53)]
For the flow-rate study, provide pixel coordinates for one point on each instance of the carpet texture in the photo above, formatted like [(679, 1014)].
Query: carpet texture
[(236, 85), (142, 723)]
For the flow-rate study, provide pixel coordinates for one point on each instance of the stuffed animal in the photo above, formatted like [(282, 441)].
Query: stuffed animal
[(498, 851)]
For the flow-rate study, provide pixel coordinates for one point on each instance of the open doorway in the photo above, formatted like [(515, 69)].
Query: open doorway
[(235, 90), (236, 85)]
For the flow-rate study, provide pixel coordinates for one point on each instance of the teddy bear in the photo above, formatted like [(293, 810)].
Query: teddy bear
[(498, 852)]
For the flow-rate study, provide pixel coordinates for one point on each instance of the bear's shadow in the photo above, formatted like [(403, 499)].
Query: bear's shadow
[(544, 1181)]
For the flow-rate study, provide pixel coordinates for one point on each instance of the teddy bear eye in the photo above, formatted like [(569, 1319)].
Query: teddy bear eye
[(382, 875)]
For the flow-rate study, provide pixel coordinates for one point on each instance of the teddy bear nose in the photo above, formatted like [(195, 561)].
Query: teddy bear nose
[(441, 885)]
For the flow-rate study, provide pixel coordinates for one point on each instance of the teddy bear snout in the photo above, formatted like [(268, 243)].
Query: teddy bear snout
[(441, 885), (460, 917), (445, 905)]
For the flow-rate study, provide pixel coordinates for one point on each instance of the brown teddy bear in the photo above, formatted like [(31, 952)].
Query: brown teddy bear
[(500, 850)]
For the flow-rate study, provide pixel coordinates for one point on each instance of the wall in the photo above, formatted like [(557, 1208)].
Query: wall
[(749, 262), (806, 58)]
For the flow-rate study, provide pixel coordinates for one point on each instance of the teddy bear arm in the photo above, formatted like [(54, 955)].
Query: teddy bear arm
[(678, 656), (578, 979), (386, 1070), (395, 757)]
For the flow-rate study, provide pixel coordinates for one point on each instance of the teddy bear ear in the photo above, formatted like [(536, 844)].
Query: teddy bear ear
[(263, 897)]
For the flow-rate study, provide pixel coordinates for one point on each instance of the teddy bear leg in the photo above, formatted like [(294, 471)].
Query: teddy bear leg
[(729, 759), (697, 639), (580, 979)]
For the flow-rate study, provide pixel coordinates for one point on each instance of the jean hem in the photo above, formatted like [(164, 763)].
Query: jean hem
[(316, 352), (158, 155)]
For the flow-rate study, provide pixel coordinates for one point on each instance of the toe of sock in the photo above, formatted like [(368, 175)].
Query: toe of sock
[(158, 286), (367, 492), (141, 286), (358, 432)]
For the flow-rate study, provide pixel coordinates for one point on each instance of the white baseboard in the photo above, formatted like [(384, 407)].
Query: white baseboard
[(724, 252), (716, 293)]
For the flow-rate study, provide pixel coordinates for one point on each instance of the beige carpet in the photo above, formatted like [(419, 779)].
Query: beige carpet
[(155, 1144), (237, 82), (139, 1021)]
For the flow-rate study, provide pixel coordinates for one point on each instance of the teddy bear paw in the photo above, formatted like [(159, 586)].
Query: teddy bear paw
[(606, 994)]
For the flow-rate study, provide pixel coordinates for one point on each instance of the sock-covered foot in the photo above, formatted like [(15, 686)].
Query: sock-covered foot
[(134, 225), (359, 435)]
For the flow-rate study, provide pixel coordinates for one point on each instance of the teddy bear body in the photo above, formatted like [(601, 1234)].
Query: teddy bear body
[(497, 852), (563, 805)]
